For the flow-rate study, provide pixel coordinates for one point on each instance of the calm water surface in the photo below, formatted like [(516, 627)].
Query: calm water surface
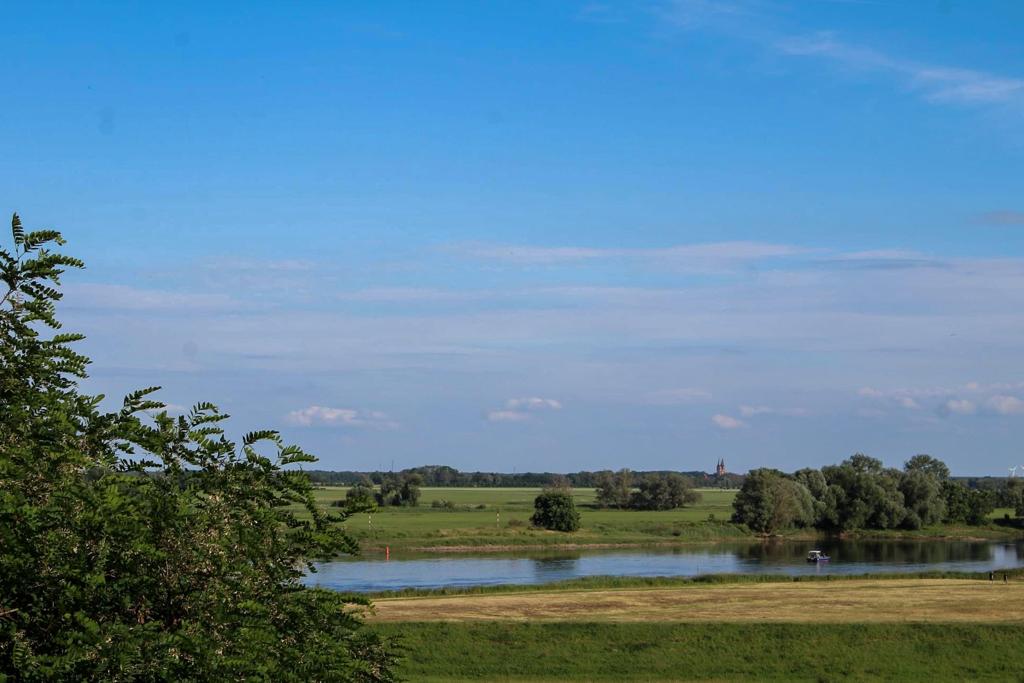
[(848, 557)]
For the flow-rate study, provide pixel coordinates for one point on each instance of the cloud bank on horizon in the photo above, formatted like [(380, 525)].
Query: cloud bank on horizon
[(655, 238)]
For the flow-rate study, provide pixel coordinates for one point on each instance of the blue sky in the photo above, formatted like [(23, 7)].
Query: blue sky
[(543, 236)]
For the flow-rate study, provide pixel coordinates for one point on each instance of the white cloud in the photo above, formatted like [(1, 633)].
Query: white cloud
[(935, 83), (1006, 405), (908, 403), (727, 422), (753, 411), (681, 395), (713, 255), (695, 13), (124, 298), (520, 409), (340, 417), (409, 294), (533, 403), (960, 406), (507, 416)]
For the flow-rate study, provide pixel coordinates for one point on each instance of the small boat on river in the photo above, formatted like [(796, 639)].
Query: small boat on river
[(817, 556)]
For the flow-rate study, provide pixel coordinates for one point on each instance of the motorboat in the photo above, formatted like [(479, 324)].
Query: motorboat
[(817, 556)]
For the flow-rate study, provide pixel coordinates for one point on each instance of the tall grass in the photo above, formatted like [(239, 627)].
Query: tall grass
[(508, 651)]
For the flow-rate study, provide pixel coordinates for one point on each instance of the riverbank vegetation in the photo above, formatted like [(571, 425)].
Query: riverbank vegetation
[(603, 651), (499, 518), (588, 583), (716, 628), (858, 494), (483, 519), (653, 491)]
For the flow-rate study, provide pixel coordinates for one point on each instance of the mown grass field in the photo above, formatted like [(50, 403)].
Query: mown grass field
[(855, 629), (848, 601)]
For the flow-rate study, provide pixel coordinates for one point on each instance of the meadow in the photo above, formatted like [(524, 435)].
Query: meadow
[(856, 629), (864, 600), (665, 651), (480, 519)]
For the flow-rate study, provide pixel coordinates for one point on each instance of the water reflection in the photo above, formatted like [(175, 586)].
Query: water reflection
[(848, 557)]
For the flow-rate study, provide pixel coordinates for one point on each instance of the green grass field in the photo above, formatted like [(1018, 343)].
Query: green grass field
[(499, 517), (601, 651), (738, 628)]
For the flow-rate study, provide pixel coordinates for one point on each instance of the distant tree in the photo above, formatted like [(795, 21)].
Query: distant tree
[(360, 497), (560, 482), (966, 506), (922, 497), (663, 492), (388, 490), (136, 546), (862, 495), (1017, 498), (928, 465), (769, 502), (409, 489), (554, 509), (614, 488), (399, 490)]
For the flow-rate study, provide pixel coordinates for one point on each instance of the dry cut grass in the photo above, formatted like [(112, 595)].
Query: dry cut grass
[(854, 601)]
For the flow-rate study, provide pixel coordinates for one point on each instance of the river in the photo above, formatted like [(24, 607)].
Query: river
[(369, 574)]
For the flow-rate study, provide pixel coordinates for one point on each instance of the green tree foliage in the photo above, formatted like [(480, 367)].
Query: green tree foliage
[(360, 498), (1017, 497), (769, 502), (860, 493), (555, 510), (399, 490), (922, 496), (965, 505), (614, 488), (663, 492), (655, 490), (929, 465), (140, 546)]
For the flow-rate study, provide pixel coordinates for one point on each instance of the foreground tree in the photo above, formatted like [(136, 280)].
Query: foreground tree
[(150, 548), (555, 510)]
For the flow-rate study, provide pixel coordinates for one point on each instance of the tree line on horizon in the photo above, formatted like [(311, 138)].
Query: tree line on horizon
[(440, 476)]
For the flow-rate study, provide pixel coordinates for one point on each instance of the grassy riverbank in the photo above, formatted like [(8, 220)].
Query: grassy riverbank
[(494, 519), (589, 583), (721, 628), (607, 651), (864, 600)]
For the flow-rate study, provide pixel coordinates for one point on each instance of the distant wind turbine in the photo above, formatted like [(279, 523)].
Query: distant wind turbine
[(1013, 471)]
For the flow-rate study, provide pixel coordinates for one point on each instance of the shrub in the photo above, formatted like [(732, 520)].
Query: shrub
[(555, 510)]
